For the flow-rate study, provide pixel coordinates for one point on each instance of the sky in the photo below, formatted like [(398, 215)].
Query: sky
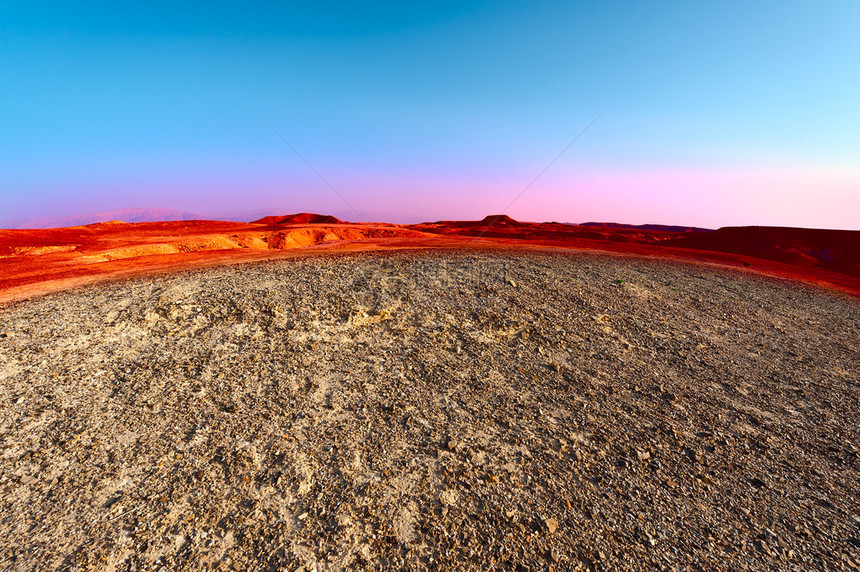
[(697, 113)]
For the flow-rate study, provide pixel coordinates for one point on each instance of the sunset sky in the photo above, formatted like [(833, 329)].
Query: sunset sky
[(713, 113)]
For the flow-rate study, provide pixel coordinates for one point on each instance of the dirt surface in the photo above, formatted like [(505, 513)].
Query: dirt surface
[(432, 411)]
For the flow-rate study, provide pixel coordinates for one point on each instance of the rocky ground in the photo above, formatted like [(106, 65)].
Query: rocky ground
[(432, 411)]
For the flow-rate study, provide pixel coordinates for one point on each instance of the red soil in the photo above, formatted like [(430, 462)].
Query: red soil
[(35, 262)]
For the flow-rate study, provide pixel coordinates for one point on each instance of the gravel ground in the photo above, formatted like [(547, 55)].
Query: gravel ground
[(470, 411)]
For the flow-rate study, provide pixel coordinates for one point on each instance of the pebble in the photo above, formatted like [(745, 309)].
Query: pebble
[(757, 482), (762, 546), (448, 497), (551, 525)]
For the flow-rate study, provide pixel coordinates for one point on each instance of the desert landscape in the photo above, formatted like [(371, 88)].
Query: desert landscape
[(38, 261), (302, 393), (430, 286)]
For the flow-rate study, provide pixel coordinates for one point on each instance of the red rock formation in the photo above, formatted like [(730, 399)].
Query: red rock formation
[(34, 262), (300, 218)]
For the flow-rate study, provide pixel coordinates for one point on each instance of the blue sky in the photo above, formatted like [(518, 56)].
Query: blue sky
[(714, 114)]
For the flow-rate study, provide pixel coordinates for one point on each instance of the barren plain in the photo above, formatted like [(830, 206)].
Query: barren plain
[(432, 410)]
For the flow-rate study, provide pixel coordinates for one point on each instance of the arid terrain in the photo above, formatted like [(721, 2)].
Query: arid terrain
[(38, 261), (467, 409)]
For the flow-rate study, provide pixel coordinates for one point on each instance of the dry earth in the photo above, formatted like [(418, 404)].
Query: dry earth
[(432, 411)]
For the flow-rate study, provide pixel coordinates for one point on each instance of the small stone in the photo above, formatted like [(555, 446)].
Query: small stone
[(643, 455), (303, 516), (762, 546), (27, 479), (551, 525), (448, 497), (757, 483)]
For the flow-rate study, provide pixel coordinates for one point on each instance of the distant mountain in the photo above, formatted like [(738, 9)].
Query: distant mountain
[(300, 218), (500, 220), (655, 227), (491, 220), (139, 214)]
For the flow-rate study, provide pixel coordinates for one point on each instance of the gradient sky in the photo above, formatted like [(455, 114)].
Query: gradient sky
[(716, 113)]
